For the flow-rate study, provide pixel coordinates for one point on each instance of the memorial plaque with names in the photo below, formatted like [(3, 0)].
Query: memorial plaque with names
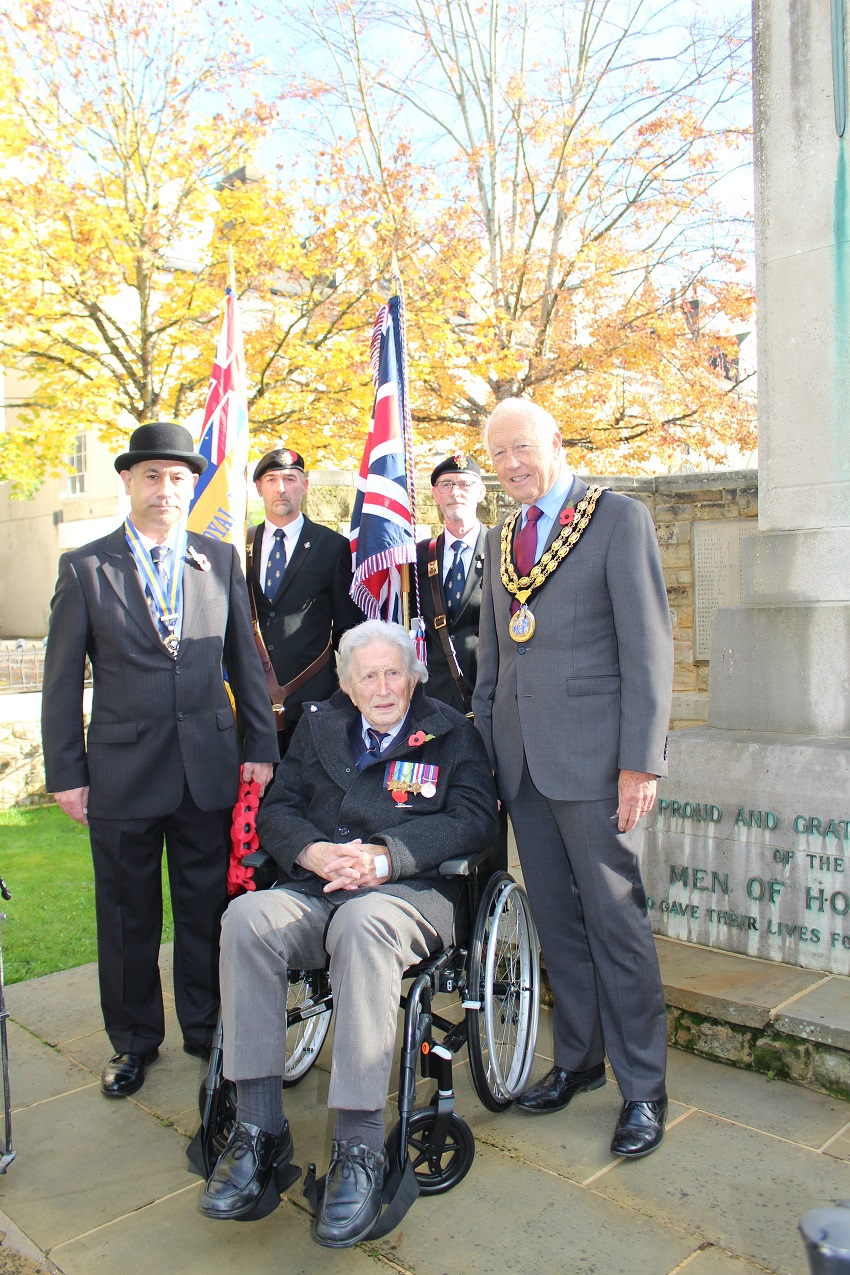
[(717, 575)]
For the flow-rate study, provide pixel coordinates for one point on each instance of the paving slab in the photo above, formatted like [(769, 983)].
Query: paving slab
[(723, 985), (740, 1189), (823, 1014), (840, 1146), (573, 1143), (749, 1098), (171, 1235), (57, 1007), (83, 1160), (37, 1072), (714, 1261), (509, 1216)]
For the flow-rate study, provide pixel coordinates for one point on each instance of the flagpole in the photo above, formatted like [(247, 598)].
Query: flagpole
[(231, 271), (407, 429)]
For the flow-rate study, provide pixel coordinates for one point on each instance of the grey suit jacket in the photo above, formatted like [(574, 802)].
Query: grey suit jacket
[(590, 693), (155, 722)]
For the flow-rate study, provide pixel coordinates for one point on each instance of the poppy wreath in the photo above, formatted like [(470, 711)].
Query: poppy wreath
[(243, 839)]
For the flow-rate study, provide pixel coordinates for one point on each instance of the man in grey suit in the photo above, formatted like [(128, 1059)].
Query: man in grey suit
[(158, 613), (575, 668)]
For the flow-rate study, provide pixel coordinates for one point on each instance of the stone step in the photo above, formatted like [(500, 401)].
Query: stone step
[(778, 1019), (789, 1023)]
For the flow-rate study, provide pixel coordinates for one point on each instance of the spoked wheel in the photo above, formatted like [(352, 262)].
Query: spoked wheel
[(304, 1035), (457, 1157), (503, 984), (222, 1119)]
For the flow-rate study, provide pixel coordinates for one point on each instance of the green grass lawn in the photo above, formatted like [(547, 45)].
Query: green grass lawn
[(46, 862)]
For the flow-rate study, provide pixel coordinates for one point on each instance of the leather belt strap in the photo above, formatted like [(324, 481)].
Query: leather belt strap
[(442, 631), (277, 694)]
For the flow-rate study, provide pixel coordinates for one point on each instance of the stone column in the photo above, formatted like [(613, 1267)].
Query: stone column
[(781, 662), (752, 850)]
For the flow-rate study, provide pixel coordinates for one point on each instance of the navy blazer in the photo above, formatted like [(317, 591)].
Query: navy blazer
[(319, 795)]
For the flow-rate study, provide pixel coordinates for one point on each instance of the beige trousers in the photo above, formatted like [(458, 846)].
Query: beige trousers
[(370, 939)]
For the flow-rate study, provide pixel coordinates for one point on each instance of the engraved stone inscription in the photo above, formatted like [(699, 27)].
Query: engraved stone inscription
[(717, 575)]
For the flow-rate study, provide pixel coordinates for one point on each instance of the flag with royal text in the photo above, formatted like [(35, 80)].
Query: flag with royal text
[(381, 534), (219, 505)]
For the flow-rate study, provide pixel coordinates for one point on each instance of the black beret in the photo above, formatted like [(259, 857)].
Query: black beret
[(460, 463), (280, 458)]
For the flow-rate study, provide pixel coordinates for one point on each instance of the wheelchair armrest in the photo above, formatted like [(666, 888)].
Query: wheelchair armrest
[(259, 859), (464, 865), (266, 869)]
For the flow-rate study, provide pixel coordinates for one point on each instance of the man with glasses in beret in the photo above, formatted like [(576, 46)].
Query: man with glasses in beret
[(451, 570), (299, 576), (158, 611)]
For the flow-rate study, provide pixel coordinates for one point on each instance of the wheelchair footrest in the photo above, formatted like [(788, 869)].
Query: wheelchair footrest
[(400, 1190)]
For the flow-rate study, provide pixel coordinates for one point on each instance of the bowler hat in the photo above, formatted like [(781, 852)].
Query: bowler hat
[(280, 458), (460, 463), (162, 440)]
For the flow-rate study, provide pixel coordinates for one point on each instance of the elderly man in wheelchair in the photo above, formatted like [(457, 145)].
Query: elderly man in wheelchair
[(380, 786)]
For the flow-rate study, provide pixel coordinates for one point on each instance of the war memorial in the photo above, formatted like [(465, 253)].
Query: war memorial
[(748, 849)]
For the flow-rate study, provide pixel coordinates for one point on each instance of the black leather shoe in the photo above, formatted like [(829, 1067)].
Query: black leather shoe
[(244, 1182), (351, 1203), (558, 1087), (197, 1051), (640, 1128), (125, 1074)]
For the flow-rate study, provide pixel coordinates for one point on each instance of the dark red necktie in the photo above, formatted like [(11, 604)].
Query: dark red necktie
[(525, 547)]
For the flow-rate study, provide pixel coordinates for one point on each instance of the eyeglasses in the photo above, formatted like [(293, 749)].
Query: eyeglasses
[(445, 485)]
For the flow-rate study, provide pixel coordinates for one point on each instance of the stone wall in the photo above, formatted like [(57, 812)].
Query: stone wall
[(676, 502)]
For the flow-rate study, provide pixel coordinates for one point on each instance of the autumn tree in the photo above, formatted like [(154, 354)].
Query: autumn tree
[(128, 133), (574, 154)]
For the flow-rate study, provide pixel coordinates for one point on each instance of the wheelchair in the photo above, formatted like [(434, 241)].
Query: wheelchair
[(493, 965)]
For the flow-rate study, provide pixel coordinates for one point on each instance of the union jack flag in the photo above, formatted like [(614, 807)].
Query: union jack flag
[(219, 504), (381, 524)]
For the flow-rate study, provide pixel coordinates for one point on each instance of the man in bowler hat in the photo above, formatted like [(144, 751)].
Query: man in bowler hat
[(159, 613), (299, 577)]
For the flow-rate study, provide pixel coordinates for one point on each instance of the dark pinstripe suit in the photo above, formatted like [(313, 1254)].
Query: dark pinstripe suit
[(161, 759)]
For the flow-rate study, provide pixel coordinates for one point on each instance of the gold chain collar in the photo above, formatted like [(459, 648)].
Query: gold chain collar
[(522, 587)]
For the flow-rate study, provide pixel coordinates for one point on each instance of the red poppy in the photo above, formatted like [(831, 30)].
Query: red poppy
[(416, 739), (567, 516)]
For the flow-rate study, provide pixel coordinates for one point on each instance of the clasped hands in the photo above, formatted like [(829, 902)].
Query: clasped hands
[(345, 865)]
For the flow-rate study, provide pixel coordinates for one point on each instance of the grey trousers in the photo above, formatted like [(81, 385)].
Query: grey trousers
[(584, 884), (370, 939)]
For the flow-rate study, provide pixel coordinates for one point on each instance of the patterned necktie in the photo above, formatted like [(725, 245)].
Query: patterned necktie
[(455, 580), (276, 565), (159, 558), (525, 547), (374, 750)]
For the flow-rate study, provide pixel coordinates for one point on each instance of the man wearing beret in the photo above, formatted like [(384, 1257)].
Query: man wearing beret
[(158, 611), (299, 577), (451, 569), (450, 573)]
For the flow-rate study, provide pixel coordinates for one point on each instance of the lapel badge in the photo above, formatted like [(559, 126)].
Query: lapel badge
[(200, 559), (306, 544)]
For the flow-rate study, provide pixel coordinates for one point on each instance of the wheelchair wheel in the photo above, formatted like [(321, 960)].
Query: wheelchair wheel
[(503, 987), (457, 1157), (304, 1036)]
